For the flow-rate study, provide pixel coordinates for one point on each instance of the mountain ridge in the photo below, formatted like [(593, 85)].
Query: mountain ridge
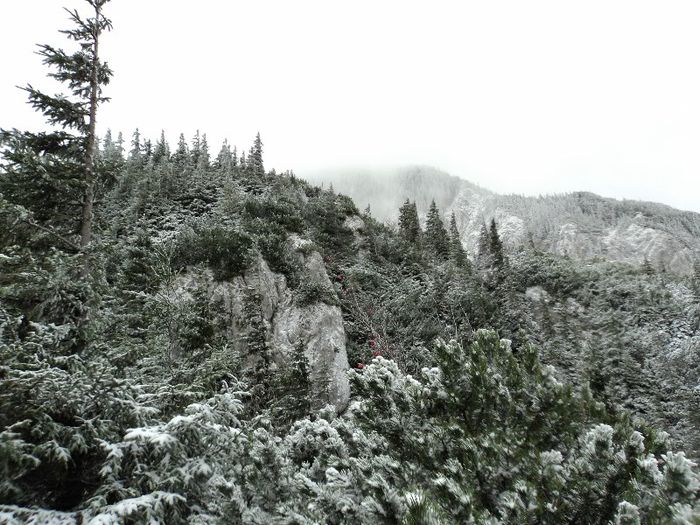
[(581, 224)]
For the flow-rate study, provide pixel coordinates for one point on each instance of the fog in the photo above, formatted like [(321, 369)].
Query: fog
[(519, 97)]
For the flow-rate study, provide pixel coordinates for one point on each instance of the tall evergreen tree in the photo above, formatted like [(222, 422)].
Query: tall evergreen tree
[(53, 174), (457, 253), (195, 149), (496, 245), (136, 150), (255, 158), (161, 153), (235, 156), (409, 227), (435, 233), (484, 259), (203, 156), (224, 160), (181, 157)]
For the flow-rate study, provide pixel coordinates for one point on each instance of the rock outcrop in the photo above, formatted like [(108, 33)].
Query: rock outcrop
[(289, 323)]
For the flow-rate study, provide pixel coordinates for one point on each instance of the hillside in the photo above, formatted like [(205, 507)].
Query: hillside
[(190, 339), (580, 225), (261, 350)]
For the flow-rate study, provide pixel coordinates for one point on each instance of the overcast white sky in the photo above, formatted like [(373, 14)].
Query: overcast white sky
[(525, 97)]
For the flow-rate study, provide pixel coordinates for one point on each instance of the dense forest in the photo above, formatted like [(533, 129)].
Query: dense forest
[(187, 337)]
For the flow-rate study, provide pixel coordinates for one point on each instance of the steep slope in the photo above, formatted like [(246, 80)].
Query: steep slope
[(580, 225)]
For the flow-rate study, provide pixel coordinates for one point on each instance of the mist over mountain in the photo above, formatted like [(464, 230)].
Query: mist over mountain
[(580, 224)]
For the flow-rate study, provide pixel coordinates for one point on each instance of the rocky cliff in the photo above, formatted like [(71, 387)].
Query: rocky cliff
[(289, 321)]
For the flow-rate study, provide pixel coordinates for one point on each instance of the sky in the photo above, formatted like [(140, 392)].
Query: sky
[(531, 97)]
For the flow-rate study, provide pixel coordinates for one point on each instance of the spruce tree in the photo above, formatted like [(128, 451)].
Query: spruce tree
[(161, 153), (409, 227), (181, 157), (457, 253), (136, 151), (53, 174), (203, 157), (255, 158), (234, 157), (224, 160), (496, 245), (435, 233), (484, 254), (195, 149)]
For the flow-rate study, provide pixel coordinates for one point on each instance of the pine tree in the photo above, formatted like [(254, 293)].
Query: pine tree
[(409, 227), (457, 253), (435, 233), (53, 174)]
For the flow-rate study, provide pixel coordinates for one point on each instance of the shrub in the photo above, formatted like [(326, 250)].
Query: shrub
[(280, 212), (225, 250)]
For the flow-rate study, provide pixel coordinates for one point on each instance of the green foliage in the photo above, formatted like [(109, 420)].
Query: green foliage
[(311, 292), (227, 251), (436, 236), (409, 227), (326, 223), (280, 212)]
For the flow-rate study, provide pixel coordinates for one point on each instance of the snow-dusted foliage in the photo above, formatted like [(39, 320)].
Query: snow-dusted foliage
[(188, 364)]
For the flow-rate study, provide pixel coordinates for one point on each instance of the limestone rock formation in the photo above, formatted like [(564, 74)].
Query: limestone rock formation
[(288, 322)]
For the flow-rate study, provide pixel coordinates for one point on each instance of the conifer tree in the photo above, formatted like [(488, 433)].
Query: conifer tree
[(234, 156), (224, 160), (161, 153), (195, 149), (147, 151), (255, 158), (181, 156), (409, 227), (136, 150), (435, 233), (495, 245), (243, 163), (457, 252), (203, 156), (113, 151), (484, 246), (53, 174)]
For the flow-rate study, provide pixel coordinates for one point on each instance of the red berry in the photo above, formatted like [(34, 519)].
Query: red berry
[(360, 365)]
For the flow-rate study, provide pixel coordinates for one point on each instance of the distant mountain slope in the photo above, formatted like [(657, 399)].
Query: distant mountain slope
[(581, 224)]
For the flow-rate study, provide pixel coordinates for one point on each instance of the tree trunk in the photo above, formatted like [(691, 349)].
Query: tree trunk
[(91, 146)]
